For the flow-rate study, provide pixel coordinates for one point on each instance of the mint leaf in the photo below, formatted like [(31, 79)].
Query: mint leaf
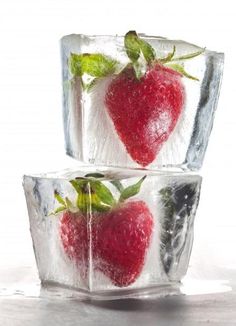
[(131, 190), (94, 64), (181, 70)]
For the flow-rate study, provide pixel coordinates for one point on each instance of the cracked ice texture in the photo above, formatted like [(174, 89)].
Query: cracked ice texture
[(172, 200), (90, 135)]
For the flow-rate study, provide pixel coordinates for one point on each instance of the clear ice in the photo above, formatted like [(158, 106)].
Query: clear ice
[(90, 135), (168, 202)]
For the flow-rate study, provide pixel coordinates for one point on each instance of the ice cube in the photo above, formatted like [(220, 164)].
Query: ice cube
[(160, 121), (112, 231)]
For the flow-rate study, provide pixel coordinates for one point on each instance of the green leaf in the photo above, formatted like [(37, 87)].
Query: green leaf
[(118, 185), (132, 45), (66, 204), (92, 195), (58, 210), (94, 64), (69, 204), (147, 50), (135, 45), (88, 87), (78, 184), (59, 198), (138, 69), (102, 192), (131, 190), (75, 64), (181, 70), (189, 56), (169, 56), (94, 175)]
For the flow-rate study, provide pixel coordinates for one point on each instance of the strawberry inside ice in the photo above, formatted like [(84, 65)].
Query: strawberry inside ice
[(119, 241), (122, 239), (75, 239), (145, 111)]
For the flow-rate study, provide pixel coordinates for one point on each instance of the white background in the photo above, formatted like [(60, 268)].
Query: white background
[(31, 135)]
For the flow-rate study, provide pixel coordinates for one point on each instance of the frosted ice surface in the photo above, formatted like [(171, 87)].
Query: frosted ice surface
[(90, 135), (166, 202)]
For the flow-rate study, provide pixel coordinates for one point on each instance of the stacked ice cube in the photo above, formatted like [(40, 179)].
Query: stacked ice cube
[(138, 111)]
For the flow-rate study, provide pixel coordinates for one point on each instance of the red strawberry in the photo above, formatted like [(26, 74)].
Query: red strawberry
[(144, 100), (74, 237), (122, 238), (120, 231), (145, 111)]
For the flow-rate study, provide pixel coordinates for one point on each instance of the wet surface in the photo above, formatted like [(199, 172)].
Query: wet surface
[(23, 301)]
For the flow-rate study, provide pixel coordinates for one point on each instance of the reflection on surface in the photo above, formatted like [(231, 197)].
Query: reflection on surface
[(23, 281), (24, 302)]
